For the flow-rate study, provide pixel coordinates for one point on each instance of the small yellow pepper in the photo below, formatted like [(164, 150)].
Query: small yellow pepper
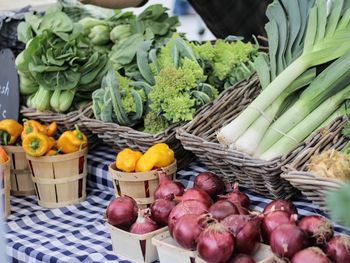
[(10, 131), (52, 153), (32, 126), (51, 129), (52, 143), (126, 160), (72, 141), (159, 155), (3, 156), (36, 144)]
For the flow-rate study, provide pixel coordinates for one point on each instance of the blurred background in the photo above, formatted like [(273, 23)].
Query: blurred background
[(191, 23)]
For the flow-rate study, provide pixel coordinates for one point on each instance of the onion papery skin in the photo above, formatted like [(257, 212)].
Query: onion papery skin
[(167, 188), (237, 198), (209, 182), (222, 209), (318, 228), (310, 254), (280, 204), (184, 208), (287, 240), (199, 195), (338, 249), (187, 230), (122, 212), (160, 211)]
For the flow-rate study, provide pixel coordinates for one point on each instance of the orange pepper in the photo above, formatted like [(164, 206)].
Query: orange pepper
[(51, 129), (3, 155)]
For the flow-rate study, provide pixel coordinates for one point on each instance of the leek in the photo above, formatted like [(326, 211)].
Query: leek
[(333, 78), (249, 141), (307, 126), (327, 38)]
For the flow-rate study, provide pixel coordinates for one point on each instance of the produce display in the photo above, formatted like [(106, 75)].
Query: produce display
[(305, 78)]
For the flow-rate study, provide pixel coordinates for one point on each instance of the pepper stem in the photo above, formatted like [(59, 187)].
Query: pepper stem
[(34, 144), (79, 133)]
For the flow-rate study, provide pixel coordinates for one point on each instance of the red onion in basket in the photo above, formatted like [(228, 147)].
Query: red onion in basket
[(122, 212), (310, 254), (184, 208), (286, 240), (242, 258), (168, 189), (197, 194), (186, 231), (280, 204), (338, 249), (160, 211), (143, 225), (245, 229), (209, 182), (215, 244), (274, 219), (318, 228), (222, 209), (236, 197)]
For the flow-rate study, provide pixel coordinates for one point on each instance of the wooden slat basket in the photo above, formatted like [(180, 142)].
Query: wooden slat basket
[(120, 137), (65, 121), (169, 251), (139, 185), (130, 246), (21, 178), (59, 180), (5, 186), (199, 136), (315, 187)]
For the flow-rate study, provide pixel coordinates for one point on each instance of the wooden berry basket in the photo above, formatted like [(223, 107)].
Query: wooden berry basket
[(169, 251), (129, 246), (315, 187), (59, 180), (21, 178), (5, 186), (139, 185)]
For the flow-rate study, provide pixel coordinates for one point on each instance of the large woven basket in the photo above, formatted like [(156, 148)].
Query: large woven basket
[(199, 136), (65, 121), (120, 137), (314, 187)]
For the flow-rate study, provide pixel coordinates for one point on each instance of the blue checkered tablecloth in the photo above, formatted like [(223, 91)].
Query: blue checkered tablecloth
[(77, 233)]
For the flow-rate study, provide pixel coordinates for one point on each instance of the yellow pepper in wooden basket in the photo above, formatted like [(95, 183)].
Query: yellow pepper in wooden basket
[(10, 130), (159, 155), (36, 144), (32, 126), (72, 141), (126, 160)]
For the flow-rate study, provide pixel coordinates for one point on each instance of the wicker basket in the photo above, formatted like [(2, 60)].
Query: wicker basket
[(65, 121), (312, 186), (199, 136), (5, 186), (21, 178), (59, 180), (140, 186)]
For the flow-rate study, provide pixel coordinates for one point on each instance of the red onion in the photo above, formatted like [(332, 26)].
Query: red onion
[(288, 239), (274, 219), (143, 225), (215, 244), (338, 249), (186, 231), (310, 254), (245, 229), (199, 195), (209, 182), (280, 204), (160, 211), (236, 197), (242, 258), (222, 209), (318, 228), (167, 189), (184, 208), (122, 212)]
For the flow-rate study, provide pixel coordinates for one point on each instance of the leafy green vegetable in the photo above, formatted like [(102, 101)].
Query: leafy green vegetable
[(338, 204)]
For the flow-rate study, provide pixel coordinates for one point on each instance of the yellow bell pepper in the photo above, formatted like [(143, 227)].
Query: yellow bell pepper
[(36, 144), (72, 141), (126, 160), (32, 126), (10, 131), (51, 129), (159, 155), (52, 153)]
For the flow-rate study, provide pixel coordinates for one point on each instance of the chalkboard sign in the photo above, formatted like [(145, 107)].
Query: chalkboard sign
[(9, 86)]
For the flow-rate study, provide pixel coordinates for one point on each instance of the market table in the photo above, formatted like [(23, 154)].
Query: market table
[(77, 233)]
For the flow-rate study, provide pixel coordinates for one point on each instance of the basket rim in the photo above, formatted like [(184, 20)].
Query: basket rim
[(59, 157)]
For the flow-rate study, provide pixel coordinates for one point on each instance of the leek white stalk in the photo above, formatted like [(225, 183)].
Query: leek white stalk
[(250, 140), (307, 126), (327, 38), (330, 81)]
